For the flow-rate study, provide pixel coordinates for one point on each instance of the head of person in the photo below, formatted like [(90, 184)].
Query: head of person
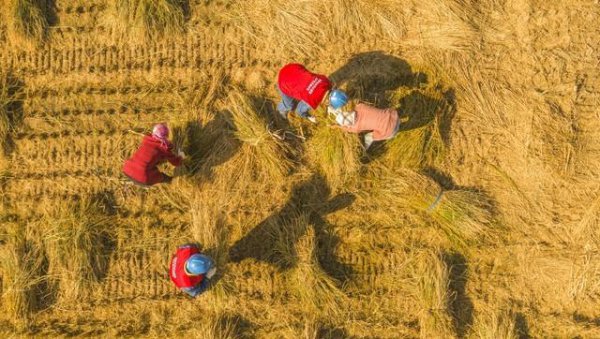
[(160, 132), (198, 264), (337, 99)]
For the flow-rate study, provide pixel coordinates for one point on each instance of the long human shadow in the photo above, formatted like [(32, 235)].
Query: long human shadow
[(461, 306), (208, 145), (371, 75), (311, 197)]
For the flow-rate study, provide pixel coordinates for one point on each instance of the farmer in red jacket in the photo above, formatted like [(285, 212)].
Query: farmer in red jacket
[(142, 167), (380, 124), (191, 271), (301, 90)]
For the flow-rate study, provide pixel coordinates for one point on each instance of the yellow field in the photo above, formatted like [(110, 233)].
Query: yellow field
[(313, 238)]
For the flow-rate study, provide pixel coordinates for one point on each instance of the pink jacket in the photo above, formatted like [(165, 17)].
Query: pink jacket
[(382, 122)]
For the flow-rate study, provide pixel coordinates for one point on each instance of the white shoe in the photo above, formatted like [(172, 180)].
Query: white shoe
[(312, 119)]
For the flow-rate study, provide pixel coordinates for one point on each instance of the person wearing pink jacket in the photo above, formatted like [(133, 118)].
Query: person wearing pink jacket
[(380, 124)]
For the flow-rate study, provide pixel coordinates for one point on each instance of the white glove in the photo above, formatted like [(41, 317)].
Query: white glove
[(181, 154), (368, 140), (211, 272), (334, 111)]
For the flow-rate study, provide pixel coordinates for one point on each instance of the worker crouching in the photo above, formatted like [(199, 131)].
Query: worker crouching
[(380, 124), (142, 167), (190, 270), (301, 90)]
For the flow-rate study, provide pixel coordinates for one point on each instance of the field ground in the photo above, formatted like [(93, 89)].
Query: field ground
[(520, 83)]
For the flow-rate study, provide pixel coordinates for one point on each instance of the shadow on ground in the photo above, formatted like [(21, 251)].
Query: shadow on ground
[(369, 76), (461, 306), (311, 197)]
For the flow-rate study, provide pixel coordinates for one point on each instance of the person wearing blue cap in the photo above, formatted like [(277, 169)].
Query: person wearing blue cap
[(190, 270), (377, 124)]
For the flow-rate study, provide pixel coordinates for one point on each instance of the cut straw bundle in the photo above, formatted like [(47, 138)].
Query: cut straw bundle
[(419, 143), (309, 281), (77, 240), (27, 22), (494, 324), (262, 157), (463, 215), (431, 291), (336, 154), (21, 262)]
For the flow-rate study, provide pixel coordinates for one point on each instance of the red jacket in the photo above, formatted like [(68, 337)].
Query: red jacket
[(382, 122), (143, 165), (177, 268), (297, 82)]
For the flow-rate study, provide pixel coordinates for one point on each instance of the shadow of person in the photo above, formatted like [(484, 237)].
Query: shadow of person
[(369, 76), (207, 146), (308, 198)]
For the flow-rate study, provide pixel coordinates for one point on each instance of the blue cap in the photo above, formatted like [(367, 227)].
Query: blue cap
[(337, 99), (198, 264)]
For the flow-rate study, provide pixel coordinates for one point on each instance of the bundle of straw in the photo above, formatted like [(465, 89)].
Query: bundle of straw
[(76, 243), (494, 324), (420, 145), (21, 262), (313, 287), (431, 291), (144, 20), (336, 154), (27, 22), (262, 157), (462, 215)]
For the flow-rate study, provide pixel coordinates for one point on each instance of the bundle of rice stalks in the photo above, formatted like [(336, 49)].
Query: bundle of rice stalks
[(310, 283), (22, 265), (27, 21), (494, 325), (78, 243), (336, 154), (145, 20), (220, 326), (419, 142), (431, 291), (262, 157), (463, 215), (209, 228)]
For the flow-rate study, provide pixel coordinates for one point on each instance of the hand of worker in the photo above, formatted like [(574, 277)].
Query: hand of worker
[(333, 111), (211, 272), (181, 154)]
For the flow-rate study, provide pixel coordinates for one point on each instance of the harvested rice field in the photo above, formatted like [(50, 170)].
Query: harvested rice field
[(480, 219)]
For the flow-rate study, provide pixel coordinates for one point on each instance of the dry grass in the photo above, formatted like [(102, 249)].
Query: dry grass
[(432, 292), (336, 154), (22, 263), (262, 157), (492, 325), (419, 143), (314, 288), (27, 22), (146, 20), (79, 234), (463, 215)]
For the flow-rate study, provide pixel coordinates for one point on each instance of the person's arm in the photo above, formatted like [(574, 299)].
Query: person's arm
[(175, 160), (198, 289)]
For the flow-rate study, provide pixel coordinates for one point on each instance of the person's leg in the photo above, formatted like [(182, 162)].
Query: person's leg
[(198, 289), (303, 109), (286, 104)]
